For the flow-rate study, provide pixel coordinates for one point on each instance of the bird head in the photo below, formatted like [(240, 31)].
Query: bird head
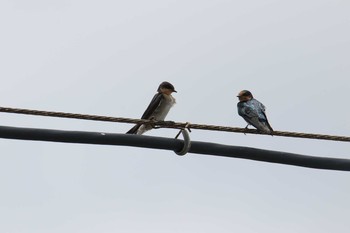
[(245, 95), (166, 88)]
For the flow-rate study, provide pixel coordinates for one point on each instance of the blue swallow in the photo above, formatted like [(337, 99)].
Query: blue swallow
[(157, 109), (253, 112)]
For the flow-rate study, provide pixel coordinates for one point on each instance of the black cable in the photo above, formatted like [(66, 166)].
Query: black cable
[(174, 145)]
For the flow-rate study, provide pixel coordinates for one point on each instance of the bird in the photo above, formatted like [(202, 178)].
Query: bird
[(253, 112), (158, 109)]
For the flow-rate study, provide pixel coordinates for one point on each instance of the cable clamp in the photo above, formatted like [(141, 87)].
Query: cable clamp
[(187, 140)]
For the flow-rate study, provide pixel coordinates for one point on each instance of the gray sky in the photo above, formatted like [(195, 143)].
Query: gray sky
[(108, 58)]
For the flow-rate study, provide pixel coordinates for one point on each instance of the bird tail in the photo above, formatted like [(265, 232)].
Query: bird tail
[(134, 129)]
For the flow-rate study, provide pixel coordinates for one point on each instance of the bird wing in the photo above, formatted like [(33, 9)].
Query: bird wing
[(262, 108), (249, 114), (259, 105), (254, 114), (266, 121), (155, 102), (246, 111)]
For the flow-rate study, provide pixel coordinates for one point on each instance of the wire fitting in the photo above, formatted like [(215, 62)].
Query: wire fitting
[(187, 140), (187, 143)]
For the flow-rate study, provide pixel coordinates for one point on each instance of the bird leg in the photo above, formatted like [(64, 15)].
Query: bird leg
[(168, 122), (153, 123), (246, 128)]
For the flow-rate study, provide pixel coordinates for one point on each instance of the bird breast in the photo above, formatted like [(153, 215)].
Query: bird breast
[(163, 109)]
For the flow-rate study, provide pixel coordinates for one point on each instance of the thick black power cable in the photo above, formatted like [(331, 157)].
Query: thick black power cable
[(174, 145)]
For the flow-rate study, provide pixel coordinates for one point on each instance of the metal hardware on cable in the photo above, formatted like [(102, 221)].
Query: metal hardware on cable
[(187, 142)]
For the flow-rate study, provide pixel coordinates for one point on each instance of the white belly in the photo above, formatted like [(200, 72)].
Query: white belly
[(160, 113), (163, 109)]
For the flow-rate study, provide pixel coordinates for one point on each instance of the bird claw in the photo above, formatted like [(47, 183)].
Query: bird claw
[(160, 124), (246, 129), (153, 123), (169, 122), (165, 123)]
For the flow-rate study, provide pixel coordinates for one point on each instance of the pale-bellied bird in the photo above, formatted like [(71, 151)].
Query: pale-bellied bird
[(158, 109)]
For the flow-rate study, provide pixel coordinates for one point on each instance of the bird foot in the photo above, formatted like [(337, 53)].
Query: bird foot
[(246, 128), (161, 124), (153, 123), (165, 123), (169, 122)]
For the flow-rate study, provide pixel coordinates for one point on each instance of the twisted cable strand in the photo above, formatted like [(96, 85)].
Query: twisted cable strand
[(175, 125)]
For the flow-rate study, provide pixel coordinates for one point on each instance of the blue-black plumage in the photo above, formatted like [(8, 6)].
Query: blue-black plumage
[(253, 112)]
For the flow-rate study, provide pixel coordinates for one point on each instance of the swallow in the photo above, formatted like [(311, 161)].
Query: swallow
[(158, 109), (253, 112)]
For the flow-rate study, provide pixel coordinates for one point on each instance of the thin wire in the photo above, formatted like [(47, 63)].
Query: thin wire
[(175, 125)]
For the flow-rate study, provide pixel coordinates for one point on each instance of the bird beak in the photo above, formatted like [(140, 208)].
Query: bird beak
[(175, 91)]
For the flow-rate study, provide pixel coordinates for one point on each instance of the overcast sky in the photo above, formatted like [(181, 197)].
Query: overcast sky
[(108, 58)]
